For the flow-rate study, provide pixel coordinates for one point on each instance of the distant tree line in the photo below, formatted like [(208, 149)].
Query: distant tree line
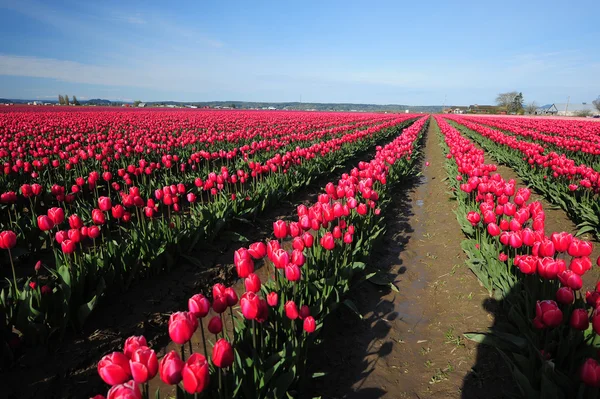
[(64, 100)]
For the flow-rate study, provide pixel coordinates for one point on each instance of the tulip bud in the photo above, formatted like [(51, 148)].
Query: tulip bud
[(195, 373), (222, 354), (215, 325), (309, 324), (291, 310), (134, 343), (182, 326), (144, 365), (114, 368), (580, 319), (272, 299), (198, 305)]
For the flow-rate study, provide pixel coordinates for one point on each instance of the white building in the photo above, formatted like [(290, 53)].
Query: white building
[(575, 109)]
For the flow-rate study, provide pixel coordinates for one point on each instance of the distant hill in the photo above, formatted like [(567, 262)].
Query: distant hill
[(261, 105), (305, 106)]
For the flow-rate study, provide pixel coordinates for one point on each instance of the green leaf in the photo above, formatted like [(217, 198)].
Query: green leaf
[(352, 307), (235, 237), (284, 382), (194, 261)]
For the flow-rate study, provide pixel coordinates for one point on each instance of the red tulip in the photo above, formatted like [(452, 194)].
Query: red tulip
[(570, 279), (128, 390), (114, 368), (57, 215), (272, 299), (222, 355), (547, 248), (134, 343), (547, 268), (98, 216), (596, 321), (45, 223), (474, 218), (258, 250), (561, 241), (252, 283), (590, 373), (565, 296), (547, 314), (580, 319), (195, 373), (104, 204), (170, 368), (291, 310), (68, 246), (292, 272), (118, 211), (215, 325), (249, 305), (144, 365), (581, 265), (230, 297), (328, 242), (308, 239), (93, 232), (198, 305), (493, 229), (304, 312), (182, 326), (309, 324), (280, 258), (280, 229), (75, 222), (8, 239)]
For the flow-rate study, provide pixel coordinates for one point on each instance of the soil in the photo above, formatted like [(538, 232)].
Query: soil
[(410, 344)]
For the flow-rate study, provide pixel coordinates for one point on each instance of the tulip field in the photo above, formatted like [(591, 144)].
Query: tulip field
[(92, 201)]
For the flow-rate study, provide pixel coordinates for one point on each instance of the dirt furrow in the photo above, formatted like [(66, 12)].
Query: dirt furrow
[(409, 344)]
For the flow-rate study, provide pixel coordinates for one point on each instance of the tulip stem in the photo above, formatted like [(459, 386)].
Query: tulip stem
[(183, 352), (203, 338), (232, 321), (14, 275), (190, 342), (220, 383)]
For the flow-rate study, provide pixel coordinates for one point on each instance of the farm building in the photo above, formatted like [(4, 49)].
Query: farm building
[(483, 109), (574, 109), (548, 109), (456, 110)]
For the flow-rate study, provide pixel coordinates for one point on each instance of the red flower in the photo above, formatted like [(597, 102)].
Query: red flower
[(170, 368), (195, 373), (182, 326), (134, 343), (128, 390), (114, 368), (198, 305), (222, 355), (291, 310), (144, 365), (8, 239)]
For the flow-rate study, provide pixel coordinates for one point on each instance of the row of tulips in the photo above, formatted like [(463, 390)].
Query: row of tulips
[(552, 333), (572, 128), (128, 235), (261, 337), (573, 144), (574, 187)]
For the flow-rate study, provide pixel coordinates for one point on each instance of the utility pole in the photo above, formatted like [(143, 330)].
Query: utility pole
[(567, 107)]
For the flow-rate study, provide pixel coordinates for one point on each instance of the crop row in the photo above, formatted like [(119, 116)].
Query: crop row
[(574, 187), (551, 333), (310, 264), (108, 236)]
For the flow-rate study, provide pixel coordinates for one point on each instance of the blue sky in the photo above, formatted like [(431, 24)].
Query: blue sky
[(322, 51)]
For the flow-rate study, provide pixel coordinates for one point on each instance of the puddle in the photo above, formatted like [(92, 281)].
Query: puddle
[(420, 202)]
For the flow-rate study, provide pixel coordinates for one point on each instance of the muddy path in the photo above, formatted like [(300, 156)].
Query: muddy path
[(409, 344), (69, 371)]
